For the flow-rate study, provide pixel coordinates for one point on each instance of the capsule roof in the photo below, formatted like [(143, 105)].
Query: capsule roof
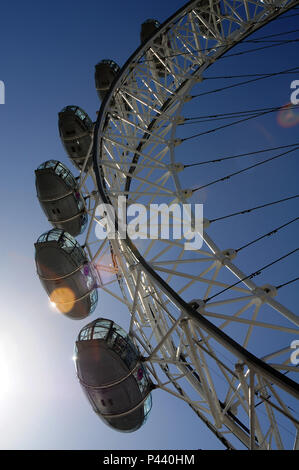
[(148, 27), (101, 328), (78, 112), (60, 169), (152, 21), (111, 64), (65, 242)]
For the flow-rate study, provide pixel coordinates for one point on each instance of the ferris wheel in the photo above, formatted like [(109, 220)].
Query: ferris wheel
[(201, 327)]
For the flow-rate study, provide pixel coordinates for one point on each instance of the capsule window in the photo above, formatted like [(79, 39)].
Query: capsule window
[(130, 357), (147, 406), (93, 300), (85, 334), (80, 114), (103, 402), (110, 402), (99, 332), (119, 345)]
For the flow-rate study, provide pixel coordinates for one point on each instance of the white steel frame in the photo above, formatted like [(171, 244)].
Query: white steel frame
[(232, 390)]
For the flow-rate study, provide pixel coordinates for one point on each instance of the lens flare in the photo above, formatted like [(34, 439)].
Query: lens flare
[(63, 298), (52, 305), (288, 115)]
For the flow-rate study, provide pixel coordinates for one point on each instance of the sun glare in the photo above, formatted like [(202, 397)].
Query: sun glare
[(64, 298)]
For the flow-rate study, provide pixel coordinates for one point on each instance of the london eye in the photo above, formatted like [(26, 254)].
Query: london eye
[(208, 325)]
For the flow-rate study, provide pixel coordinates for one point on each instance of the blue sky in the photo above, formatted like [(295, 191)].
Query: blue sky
[(48, 51)]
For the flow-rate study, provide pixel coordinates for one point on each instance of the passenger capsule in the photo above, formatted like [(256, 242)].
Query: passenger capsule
[(112, 376), (59, 197), (105, 72), (75, 130), (210, 16), (148, 28), (65, 273)]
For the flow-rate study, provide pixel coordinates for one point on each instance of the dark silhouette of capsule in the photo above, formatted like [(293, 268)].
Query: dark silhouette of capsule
[(75, 130), (105, 73), (112, 376), (210, 16), (148, 28), (59, 197), (65, 273)]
